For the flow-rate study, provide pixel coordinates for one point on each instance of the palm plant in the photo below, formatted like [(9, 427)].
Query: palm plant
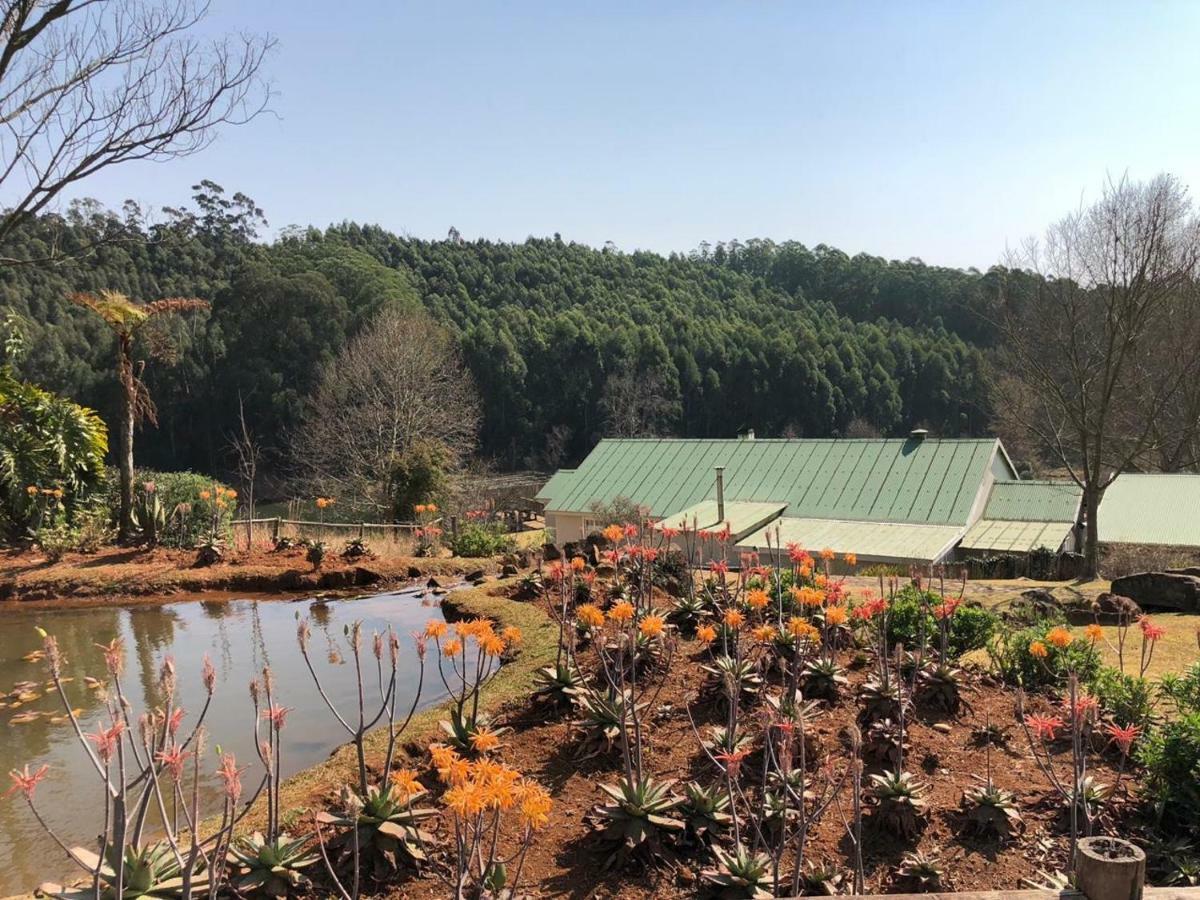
[(128, 320)]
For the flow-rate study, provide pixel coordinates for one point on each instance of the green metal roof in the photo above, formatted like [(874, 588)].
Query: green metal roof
[(557, 486), (890, 541), (1151, 509), (1034, 501), (1015, 537), (905, 480), (741, 516)]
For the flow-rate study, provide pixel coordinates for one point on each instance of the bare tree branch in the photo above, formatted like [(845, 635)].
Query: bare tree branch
[(87, 84)]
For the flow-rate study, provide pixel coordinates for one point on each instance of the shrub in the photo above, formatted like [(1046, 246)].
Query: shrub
[(479, 539), (1183, 691), (1045, 665), (1171, 755), (189, 518), (47, 443), (618, 511), (971, 627), (1127, 698)]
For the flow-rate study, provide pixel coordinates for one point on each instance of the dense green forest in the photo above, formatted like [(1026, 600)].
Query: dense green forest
[(566, 342)]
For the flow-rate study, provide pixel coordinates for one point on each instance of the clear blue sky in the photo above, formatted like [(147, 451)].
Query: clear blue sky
[(939, 130)]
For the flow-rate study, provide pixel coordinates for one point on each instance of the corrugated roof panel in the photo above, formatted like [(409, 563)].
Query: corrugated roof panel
[(1001, 536), (1151, 509), (886, 480), (1034, 501), (743, 517), (882, 541), (558, 486)]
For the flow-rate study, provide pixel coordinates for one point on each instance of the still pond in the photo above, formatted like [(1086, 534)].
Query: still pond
[(239, 636)]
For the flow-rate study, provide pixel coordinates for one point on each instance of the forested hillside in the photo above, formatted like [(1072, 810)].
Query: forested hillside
[(566, 342)]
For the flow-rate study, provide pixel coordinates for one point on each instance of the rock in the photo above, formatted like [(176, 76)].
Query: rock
[(414, 572), (550, 552), (1113, 609), (571, 549), (478, 581), (522, 560), (1034, 605), (476, 575), (1169, 590), (942, 727), (433, 583), (508, 570)]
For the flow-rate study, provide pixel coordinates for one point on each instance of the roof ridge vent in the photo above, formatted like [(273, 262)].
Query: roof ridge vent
[(919, 434)]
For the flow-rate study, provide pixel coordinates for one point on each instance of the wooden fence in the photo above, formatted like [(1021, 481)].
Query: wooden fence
[(274, 527)]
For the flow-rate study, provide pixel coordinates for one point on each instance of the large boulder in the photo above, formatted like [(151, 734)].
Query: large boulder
[(550, 552), (1113, 609), (1033, 606), (1166, 590)]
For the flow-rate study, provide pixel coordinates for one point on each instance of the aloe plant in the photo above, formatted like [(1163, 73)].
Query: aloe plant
[(603, 717), (823, 679), (920, 871), (151, 871), (734, 677), (941, 686), (991, 810), (879, 699), (741, 873), (273, 867), (561, 683), (639, 812), (705, 809), (900, 802), (387, 827)]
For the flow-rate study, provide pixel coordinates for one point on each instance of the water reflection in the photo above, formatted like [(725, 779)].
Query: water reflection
[(239, 636)]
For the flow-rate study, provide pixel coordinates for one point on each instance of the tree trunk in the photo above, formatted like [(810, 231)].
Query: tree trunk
[(1091, 507), (125, 442)]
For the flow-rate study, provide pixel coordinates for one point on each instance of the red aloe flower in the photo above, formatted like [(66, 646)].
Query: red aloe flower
[(174, 760), (1045, 727), (208, 674), (1150, 631), (106, 741), (25, 782), (175, 720), (1123, 737), (732, 761), (231, 776), (277, 714)]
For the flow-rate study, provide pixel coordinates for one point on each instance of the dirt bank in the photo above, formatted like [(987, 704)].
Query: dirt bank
[(118, 574)]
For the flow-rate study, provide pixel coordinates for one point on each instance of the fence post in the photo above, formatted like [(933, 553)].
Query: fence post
[(362, 527), (1110, 868), (275, 529), (454, 528)]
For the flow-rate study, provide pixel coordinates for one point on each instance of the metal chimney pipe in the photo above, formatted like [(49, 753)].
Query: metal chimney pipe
[(720, 494)]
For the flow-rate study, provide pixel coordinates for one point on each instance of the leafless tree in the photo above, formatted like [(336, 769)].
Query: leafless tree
[(87, 84), (1099, 349), (637, 404), (247, 453), (400, 384)]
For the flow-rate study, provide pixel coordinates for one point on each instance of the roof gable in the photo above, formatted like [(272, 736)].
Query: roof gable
[(902, 480)]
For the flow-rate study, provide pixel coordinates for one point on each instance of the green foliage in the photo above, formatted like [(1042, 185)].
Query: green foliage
[(1127, 698), (272, 868), (387, 826), (315, 555), (790, 337), (1182, 691), (419, 476), (47, 443), (1171, 756), (481, 539), (1015, 663), (180, 497), (971, 627)]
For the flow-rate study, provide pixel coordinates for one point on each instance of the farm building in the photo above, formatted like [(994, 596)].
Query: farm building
[(890, 500)]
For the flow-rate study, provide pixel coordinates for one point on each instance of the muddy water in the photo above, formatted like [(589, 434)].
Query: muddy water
[(239, 636)]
